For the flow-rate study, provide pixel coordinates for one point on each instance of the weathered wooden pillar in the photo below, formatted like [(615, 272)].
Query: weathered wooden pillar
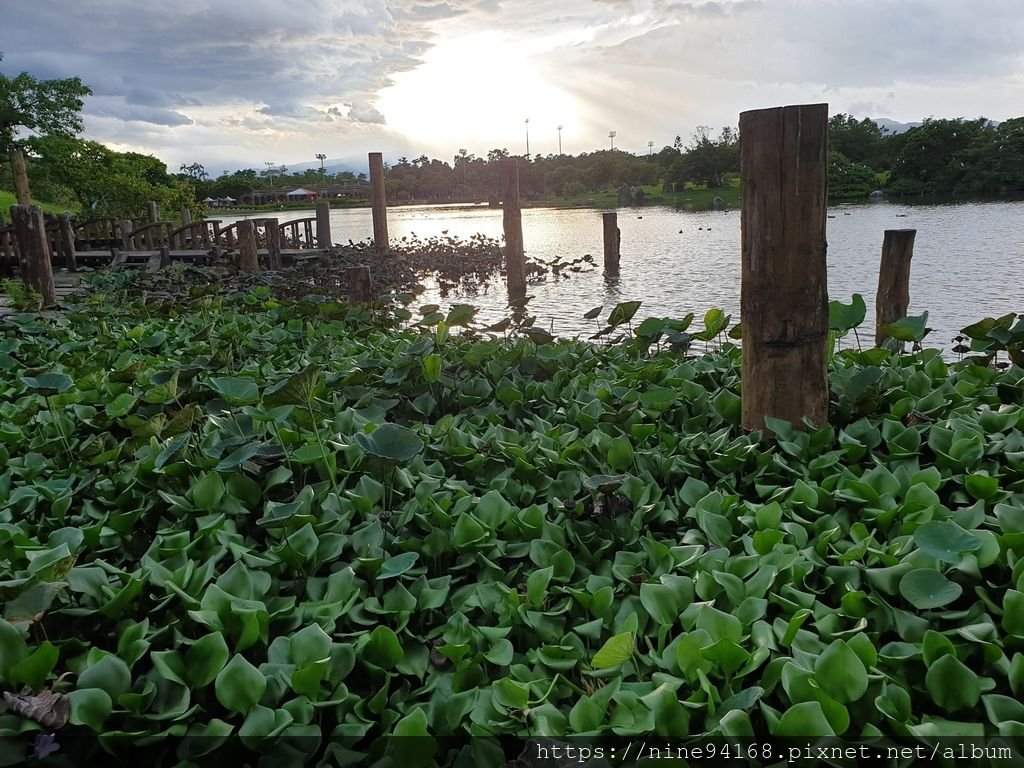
[(127, 243), (359, 285), (67, 241), (784, 293), (186, 216), (274, 259), (893, 295), (248, 260), (612, 241), (512, 222), (323, 225), (379, 201), (153, 212), (18, 170), (34, 252)]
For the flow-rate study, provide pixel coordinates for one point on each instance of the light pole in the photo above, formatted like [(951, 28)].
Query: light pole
[(650, 148), (527, 138), (321, 157), (559, 139), (611, 135)]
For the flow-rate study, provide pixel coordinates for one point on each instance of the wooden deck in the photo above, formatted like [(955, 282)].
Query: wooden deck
[(64, 283)]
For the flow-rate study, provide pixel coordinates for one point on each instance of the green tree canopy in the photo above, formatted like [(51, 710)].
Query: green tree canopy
[(44, 107)]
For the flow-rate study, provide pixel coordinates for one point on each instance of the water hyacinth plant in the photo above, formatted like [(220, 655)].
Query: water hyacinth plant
[(249, 530)]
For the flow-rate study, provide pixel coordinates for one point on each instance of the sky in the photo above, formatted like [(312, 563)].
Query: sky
[(250, 83)]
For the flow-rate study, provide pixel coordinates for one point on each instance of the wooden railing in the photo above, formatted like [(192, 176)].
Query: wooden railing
[(204, 235), (292, 238)]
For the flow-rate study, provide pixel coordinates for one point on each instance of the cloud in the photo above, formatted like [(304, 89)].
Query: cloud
[(364, 113)]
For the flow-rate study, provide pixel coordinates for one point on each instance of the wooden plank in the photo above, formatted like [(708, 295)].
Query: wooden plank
[(34, 252), (784, 294), (893, 296)]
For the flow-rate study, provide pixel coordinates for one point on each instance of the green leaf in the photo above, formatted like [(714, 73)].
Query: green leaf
[(952, 685), (49, 382), (845, 317), (120, 405), (460, 314), (926, 588), (298, 389), (417, 752), (109, 674), (310, 645), (841, 673), (391, 442), (537, 585), (90, 707), (396, 566), (208, 491), (908, 329), (623, 312), (615, 651), (239, 686), (945, 541), (805, 721), (592, 313), (382, 648), (205, 659), (236, 390), (33, 670), (1013, 612), (431, 368)]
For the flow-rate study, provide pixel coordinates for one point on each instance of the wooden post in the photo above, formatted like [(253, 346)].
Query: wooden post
[(359, 285), (784, 294), (893, 295), (153, 212), (323, 225), (274, 260), (18, 170), (612, 239), (512, 222), (248, 261), (34, 252), (378, 199), (67, 239), (126, 240), (186, 216)]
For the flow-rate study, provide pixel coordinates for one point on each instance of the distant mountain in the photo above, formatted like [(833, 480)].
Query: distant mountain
[(891, 126), (331, 166)]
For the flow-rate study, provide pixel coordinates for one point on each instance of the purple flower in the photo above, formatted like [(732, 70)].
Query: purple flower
[(45, 744)]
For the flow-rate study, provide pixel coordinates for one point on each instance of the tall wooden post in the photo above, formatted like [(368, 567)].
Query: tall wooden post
[(21, 190), (784, 294), (248, 260), (67, 241), (359, 285), (323, 225), (893, 295), (34, 252), (379, 201), (512, 222), (153, 212), (612, 241), (274, 259)]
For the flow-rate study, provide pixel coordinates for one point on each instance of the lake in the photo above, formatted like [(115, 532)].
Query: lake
[(968, 259)]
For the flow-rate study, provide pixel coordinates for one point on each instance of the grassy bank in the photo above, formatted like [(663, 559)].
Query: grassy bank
[(7, 199)]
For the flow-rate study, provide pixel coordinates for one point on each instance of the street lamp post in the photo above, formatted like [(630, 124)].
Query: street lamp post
[(527, 138), (650, 148), (323, 182), (559, 139), (611, 135)]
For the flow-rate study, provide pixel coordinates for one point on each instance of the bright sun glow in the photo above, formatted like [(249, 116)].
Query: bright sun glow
[(476, 91)]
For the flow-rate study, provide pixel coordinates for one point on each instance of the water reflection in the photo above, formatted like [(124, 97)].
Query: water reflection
[(968, 262)]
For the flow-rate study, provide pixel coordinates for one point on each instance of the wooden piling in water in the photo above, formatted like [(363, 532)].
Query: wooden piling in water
[(784, 293), (274, 260), (378, 199), (20, 173), (512, 223), (893, 296), (359, 291), (67, 242), (248, 258), (323, 225), (34, 252), (612, 242)]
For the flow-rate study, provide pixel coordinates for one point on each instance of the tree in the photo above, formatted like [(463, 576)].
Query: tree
[(43, 107)]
